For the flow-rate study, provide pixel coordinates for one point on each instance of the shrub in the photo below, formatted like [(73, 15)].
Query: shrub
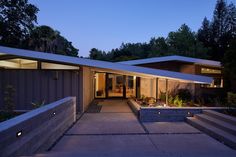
[(163, 96), (177, 101), (231, 99), (184, 94), (9, 94), (38, 104)]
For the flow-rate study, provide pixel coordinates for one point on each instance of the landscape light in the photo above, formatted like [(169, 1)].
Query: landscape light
[(19, 133)]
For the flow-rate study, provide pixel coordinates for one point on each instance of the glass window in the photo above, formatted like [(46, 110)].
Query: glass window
[(46, 65), (100, 86), (130, 86), (115, 85), (18, 63), (210, 71), (217, 83)]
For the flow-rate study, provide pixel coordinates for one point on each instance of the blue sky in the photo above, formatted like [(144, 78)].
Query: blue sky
[(105, 24)]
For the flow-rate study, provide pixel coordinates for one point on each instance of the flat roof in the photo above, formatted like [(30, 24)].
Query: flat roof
[(135, 70), (173, 58)]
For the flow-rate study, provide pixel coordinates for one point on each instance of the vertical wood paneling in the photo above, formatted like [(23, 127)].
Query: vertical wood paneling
[(1, 89), (39, 85)]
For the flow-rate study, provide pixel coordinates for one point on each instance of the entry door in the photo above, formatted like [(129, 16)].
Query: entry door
[(115, 85)]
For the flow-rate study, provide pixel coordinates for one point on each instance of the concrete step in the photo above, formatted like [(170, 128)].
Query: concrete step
[(213, 131), (221, 116), (227, 127)]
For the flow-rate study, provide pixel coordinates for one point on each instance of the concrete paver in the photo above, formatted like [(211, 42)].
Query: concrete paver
[(190, 145), (115, 106), (106, 145), (107, 123), (117, 132), (170, 127)]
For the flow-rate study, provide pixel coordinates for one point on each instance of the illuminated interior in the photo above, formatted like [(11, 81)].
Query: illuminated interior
[(45, 65), (217, 83), (114, 85), (100, 88), (130, 86), (210, 71), (18, 63)]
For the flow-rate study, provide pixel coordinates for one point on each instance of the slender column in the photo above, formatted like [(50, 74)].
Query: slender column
[(156, 88), (166, 91)]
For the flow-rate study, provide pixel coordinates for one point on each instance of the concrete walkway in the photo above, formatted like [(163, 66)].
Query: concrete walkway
[(115, 131)]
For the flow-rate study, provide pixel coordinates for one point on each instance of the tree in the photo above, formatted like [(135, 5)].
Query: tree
[(17, 18), (46, 39), (184, 42), (204, 33), (229, 63), (217, 34), (158, 47), (96, 54)]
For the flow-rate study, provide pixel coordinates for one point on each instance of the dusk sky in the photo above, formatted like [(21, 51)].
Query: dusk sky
[(105, 24)]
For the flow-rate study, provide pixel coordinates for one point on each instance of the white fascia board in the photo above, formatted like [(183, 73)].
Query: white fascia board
[(106, 65), (172, 58)]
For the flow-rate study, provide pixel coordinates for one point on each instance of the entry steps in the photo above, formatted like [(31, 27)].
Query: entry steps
[(217, 125)]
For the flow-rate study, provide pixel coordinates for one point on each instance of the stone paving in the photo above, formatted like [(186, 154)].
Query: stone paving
[(115, 131)]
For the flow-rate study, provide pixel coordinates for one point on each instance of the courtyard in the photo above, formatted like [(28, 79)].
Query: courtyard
[(115, 131)]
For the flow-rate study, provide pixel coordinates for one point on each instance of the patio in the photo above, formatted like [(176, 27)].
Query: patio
[(118, 133)]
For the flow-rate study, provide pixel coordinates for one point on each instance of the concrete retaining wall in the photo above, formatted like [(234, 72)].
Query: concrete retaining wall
[(135, 107), (39, 128), (166, 114)]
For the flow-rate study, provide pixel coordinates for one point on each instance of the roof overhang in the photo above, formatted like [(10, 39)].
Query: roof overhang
[(173, 58), (107, 66)]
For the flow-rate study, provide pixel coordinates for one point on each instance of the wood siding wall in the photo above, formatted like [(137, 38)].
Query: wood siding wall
[(39, 85)]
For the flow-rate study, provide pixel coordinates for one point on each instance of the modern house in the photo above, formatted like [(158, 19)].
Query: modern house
[(187, 65), (45, 77)]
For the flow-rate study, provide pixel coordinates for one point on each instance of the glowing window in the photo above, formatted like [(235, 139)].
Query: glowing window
[(46, 65), (18, 63), (217, 83), (210, 71)]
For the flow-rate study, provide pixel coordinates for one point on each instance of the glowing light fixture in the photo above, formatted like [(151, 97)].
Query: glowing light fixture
[(19, 133)]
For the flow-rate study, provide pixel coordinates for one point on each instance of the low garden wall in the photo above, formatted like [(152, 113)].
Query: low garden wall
[(166, 114), (36, 130), (135, 107)]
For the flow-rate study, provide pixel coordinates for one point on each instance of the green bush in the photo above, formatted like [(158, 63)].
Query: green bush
[(231, 99), (177, 101), (9, 95), (38, 104), (163, 96), (184, 94)]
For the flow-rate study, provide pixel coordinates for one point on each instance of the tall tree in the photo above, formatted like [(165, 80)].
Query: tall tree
[(96, 54), (158, 46), (184, 42), (217, 34), (229, 63), (45, 39), (204, 33), (17, 18)]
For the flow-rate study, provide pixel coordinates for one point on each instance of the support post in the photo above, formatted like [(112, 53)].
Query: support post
[(166, 91), (156, 88)]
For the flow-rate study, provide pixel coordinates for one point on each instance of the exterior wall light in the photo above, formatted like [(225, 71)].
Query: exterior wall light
[(159, 112), (189, 113), (19, 133), (54, 113)]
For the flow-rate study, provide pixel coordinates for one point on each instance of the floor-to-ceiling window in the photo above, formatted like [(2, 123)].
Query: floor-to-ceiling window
[(115, 84), (109, 85), (130, 86), (100, 85)]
